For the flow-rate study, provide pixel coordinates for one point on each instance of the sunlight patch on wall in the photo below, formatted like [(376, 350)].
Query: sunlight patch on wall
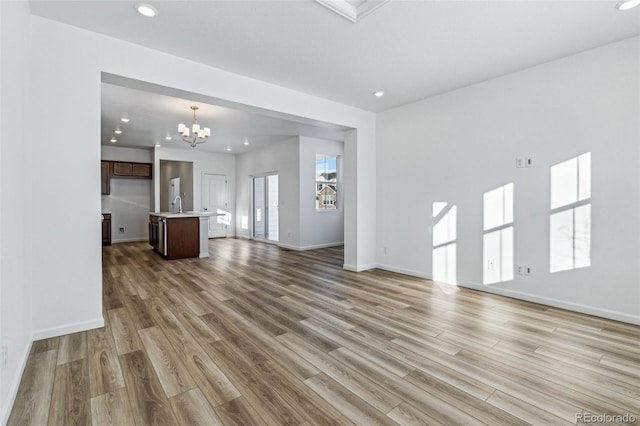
[(570, 219), (225, 219), (438, 206), (497, 247), (444, 243)]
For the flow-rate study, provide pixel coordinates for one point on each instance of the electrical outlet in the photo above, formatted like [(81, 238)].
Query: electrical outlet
[(528, 271), (490, 265), (121, 230), (519, 270), (5, 354), (519, 162)]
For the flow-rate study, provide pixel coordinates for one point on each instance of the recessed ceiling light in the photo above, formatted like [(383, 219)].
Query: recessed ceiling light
[(157, 145), (168, 137), (228, 148), (378, 93), (627, 4), (117, 131), (113, 140), (246, 141), (145, 9), (125, 119)]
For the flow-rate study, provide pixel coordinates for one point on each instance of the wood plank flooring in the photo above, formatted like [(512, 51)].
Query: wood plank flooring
[(256, 335)]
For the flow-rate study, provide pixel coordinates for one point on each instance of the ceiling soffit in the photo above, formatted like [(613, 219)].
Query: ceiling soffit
[(353, 10)]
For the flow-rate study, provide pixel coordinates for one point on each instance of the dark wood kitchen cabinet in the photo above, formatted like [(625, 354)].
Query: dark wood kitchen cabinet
[(130, 170), (105, 177), (106, 229), (183, 238)]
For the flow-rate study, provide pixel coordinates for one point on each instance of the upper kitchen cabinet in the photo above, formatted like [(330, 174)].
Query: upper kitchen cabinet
[(131, 170), (105, 169)]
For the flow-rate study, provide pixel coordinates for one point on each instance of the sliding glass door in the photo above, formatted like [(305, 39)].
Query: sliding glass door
[(265, 208)]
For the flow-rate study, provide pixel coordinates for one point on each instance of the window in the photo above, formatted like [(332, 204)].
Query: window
[(497, 245), (570, 219), (326, 182), (444, 243)]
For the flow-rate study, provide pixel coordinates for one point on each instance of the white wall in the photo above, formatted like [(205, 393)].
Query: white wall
[(64, 76), (319, 228), (65, 82), (203, 162), (283, 158), (15, 199), (456, 146), (301, 226), (130, 199)]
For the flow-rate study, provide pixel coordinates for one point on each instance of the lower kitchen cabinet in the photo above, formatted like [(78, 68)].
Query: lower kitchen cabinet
[(106, 229), (183, 238)]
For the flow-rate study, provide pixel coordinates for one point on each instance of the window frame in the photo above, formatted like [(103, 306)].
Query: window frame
[(322, 204)]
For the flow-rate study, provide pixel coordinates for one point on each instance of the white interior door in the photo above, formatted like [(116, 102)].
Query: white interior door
[(214, 199)]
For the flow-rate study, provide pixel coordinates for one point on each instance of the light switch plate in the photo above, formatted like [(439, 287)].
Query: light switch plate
[(528, 162)]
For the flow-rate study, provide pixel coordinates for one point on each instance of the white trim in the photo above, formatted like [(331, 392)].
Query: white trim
[(404, 271), (68, 329), (313, 247), (130, 240), (360, 268), (13, 390), (555, 303)]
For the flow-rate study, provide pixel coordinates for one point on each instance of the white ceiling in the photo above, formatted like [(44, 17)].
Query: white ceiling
[(155, 115), (409, 49)]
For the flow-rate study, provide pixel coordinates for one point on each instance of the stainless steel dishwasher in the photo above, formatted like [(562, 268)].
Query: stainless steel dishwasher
[(158, 234)]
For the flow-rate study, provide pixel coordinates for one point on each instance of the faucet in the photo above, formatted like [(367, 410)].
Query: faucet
[(178, 199)]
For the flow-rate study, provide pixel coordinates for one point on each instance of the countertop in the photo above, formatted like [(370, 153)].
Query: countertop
[(171, 215)]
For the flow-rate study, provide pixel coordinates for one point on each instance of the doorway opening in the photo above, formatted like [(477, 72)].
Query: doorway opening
[(176, 180)]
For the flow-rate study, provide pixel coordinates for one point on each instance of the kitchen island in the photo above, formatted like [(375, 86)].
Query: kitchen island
[(180, 235)]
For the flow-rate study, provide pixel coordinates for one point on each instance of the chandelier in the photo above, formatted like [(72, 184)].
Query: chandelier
[(197, 135)]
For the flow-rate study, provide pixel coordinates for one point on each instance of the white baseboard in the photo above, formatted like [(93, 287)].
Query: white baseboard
[(129, 240), (68, 329), (404, 271), (314, 247), (15, 384), (547, 301), (358, 268)]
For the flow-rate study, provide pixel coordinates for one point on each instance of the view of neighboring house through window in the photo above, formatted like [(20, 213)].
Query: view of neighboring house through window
[(497, 245), (570, 219), (444, 242), (326, 182)]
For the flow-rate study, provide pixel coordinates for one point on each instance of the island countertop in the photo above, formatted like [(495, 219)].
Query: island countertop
[(172, 215)]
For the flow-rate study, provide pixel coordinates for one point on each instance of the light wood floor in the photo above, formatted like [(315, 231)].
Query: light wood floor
[(256, 335)]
